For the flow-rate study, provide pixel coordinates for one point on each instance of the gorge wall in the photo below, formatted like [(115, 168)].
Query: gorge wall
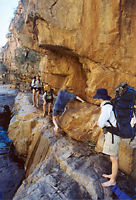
[(84, 44)]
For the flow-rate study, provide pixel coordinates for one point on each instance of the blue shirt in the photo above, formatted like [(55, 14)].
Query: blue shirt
[(62, 99)]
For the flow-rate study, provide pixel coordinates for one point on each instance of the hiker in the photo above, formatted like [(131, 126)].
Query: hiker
[(62, 99), (36, 87), (48, 97), (110, 148)]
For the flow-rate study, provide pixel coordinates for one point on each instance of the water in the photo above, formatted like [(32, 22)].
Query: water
[(11, 169), (5, 142)]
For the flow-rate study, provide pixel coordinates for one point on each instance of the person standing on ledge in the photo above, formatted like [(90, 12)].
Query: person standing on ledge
[(62, 99), (36, 86), (110, 148), (48, 97)]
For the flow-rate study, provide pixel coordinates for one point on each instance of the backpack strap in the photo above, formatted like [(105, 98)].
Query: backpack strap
[(108, 103), (111, 133)]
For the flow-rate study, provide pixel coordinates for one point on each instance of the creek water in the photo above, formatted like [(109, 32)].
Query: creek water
[(11, 168)]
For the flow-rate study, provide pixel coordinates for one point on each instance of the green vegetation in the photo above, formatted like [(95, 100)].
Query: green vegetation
[(19, 24), (26, 56), (3, 68)]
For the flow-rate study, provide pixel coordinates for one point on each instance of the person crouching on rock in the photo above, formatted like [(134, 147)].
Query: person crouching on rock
[(36, 85), (48, 97), (62, 99), (109, 148)]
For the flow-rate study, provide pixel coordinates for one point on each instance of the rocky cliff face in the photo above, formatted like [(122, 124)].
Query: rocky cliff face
[(91, 43)]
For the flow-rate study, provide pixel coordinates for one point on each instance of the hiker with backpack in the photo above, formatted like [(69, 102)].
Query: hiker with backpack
[(48, 97), (118, 120), (64, 96), (36, 87), (110, 148)]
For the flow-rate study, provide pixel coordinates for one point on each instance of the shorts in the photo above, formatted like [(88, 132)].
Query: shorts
[(57, 112), (108, 147), (49, 100), (37, 89)]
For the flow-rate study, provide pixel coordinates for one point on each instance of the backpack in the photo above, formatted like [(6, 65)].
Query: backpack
[(123, 108), (32, 83), (49, 94)]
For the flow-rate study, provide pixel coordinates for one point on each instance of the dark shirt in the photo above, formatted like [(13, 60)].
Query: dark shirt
[(62, 99)]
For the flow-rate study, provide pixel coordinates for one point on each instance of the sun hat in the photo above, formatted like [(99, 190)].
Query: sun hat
[(47, 87), (101, 93)]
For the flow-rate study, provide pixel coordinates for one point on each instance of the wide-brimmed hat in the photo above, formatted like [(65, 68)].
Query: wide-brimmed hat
[(102, 94), (47, 87)]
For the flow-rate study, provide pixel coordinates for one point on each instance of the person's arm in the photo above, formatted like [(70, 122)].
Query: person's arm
[(40, 83), (95, 125), (44, 95), (33, 81), (104, 116), (78, 98), (54, 96)]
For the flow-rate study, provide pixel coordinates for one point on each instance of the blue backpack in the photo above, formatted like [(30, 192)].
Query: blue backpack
[(123, 108), (120, 194)]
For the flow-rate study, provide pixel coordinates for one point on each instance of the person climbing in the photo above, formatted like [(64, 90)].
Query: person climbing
[(48, 97), (64, 96), (36, 87), (110, 148)]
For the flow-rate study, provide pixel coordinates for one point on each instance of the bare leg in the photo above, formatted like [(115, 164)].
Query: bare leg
[(33, 99), (44, 108), (49, 108), (37, 98), (55, 120), (113, 176)]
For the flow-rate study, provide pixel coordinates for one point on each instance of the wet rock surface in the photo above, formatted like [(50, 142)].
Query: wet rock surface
[(11, 170), (50, 182), (11, 175)]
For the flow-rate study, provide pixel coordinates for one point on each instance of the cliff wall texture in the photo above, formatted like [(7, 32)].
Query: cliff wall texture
[(91, 43)]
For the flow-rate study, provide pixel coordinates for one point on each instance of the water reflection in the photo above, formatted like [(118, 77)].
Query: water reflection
[(5, 142), (11, 168)]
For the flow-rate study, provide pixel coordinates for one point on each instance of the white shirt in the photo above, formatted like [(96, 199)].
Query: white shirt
[(106, 114), (133, 120), (36, 83)]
